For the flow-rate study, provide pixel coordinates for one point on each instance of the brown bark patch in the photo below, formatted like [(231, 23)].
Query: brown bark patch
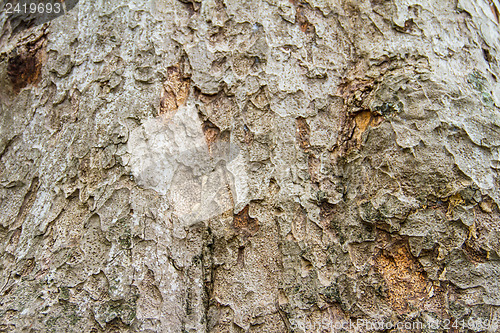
[(357, 117), (175, 91), (363, 120), (301, 18), (408, 286), (303, 132), (248, 135), (213, 137), (25, 63), (352, 129), (495, 11), (192, 6), (303, 22), (211, 133), (314, 167), (454, 201), (244, 224), (355, 91), (474, 252)]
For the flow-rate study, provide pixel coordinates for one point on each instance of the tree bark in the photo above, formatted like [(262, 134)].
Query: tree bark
[(251, 166)]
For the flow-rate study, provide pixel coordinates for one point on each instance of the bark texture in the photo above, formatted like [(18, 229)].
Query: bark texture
[(250, 166)]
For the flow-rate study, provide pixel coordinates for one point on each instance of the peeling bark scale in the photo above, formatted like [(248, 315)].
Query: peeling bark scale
[(251, 166)]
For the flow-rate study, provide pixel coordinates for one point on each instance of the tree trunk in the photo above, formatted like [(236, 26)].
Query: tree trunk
[(251, 166)]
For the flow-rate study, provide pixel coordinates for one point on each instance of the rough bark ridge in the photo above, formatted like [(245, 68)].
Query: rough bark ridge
[(249, 166)]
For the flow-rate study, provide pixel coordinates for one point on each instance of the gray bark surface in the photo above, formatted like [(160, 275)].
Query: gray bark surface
[(250, 166)]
